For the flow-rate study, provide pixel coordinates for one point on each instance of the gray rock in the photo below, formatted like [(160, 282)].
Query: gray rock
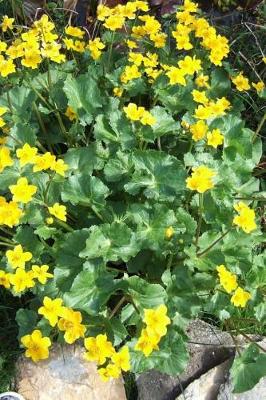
[(208, 385), (66, 375), (208, 347)]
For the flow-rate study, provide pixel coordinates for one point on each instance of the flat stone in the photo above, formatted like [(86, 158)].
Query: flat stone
[(66, 375), (208, 385), (208, 347)]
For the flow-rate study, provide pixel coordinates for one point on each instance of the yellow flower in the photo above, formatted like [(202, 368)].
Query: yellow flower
[(203, 112), (114, 22), (133, 112), (240, 298), (51, 310), (147, 118), (7, 23), (95, 46), (7, 67), (159, 39), (246, 217), (37, 346), (169, 232), (190, 65), (5, 159), (3, 110), (71, 324), (26, 154), (3, 46), (43, 162), (176, 76), (99, 348), (135, 58), (117, 91), (22, 191), (122, 359), (17, 258), (75, 32), (49, 220), (21, 280), (199, 97), (31, 59), (111, 371), (60, 167), (189, 6), (130, 72), (259, 86), (215, 138), (201, 179), (58, 211), (103, 12), (4, 279), (71, 114), (227, 279), (198, 130), (131, 44), (147, 342), (41, 273), (241, 82), (157, 320), (202, 81), (10, 213), (79, 46)]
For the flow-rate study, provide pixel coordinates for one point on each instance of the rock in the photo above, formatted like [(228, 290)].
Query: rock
[(65, 376), (208, 385), (208, 347), (257, 393)]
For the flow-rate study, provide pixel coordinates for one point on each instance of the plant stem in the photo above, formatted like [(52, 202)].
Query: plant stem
[(259, 128), (200, 217), (7, 244), (119, 304), (252, 341), (41, 123), (213, 243), (64, 225)]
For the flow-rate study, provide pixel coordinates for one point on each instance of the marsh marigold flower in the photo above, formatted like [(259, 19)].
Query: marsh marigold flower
[(7, 23), (43, 162), (22, 191), (26, 154), (4, 279), (17, 258), (5, 159), (51, 310), (157, 320), (240, 298), (241, 83), (41, 273), (10, 213), (37, 346), (259, 86), (71, 324), (201, 179), (99, 349), (75, 32), (58, 211), (169, 232), (21, 280), (122, 359), (71, 114), (246, 217), (147, 342), (215, 138), (227, 279), (198, 130)]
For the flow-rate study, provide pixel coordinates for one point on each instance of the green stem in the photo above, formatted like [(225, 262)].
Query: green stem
[(6, 240), (116, 308), (259, 128), (205, 251), (200, 218), (41, 123), (7, 244), (170, 261), (64, 225)]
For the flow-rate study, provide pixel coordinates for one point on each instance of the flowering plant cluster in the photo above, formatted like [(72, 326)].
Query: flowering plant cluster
[(128, 203)]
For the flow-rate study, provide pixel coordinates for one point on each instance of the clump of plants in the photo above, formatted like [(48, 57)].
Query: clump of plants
[(128, 203)]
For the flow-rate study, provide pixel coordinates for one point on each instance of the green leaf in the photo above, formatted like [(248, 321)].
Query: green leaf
[(20, 99), (111, 242), (9, 177), (30, 242), (83, 96), (26, 320), (22, 134), (165, 123), (248, 369), (144, 294), (91, 289), (220, 83), (68, 262), (86, 190), (171, 358), (162, 177), (83, 159)]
